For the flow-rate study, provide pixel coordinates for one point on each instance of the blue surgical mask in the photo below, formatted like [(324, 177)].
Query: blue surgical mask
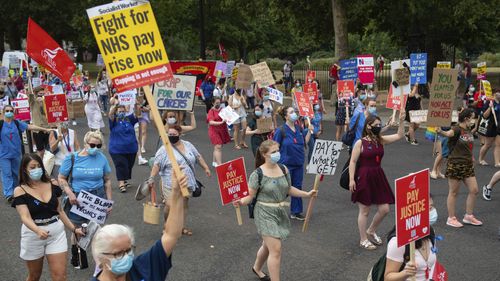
[(120, 115), (9, 114), (266, 98), (294, 117), (92, 151), (275, 157), (123, 265), (316, 107), (362, 97), (372, 110), (258, 113), (36, 174), (433, 216)]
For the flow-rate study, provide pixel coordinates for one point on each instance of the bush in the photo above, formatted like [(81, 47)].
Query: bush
[(275, 63), (490, 59)]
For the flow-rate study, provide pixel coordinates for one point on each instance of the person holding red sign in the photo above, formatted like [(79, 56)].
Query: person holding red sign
[(460, 168), (271, 189), (217, 131), (367, 180)]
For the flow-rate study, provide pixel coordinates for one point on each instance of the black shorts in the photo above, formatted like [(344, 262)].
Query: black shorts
[(41, 140)]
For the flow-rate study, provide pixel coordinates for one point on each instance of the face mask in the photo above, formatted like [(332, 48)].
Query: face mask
[(173, 139), (362, 97), (297, 84), (92, 151), (171, 120), (258, 113), (376, 130), (275, 157), (372, 110), (36, 174), (472, 89), (316, 107), (120, 115), (9, 114), (123, 265), (294, 117), (217, 106), (266, 98), (433, 216), (222, 105)]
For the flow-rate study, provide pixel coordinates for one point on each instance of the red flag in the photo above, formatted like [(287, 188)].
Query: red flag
[(45, 51), (222, 51)]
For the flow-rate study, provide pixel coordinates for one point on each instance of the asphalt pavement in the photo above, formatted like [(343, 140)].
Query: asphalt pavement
[(221, 250)]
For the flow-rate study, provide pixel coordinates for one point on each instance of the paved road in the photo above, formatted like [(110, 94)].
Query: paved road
[(221, 250)]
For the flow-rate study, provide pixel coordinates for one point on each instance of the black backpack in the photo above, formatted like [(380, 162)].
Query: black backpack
[(349, 136), (20, 134)]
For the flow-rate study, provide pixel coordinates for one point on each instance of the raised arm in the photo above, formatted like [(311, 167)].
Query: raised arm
[(172, 229), (401, 130), (192, 126)]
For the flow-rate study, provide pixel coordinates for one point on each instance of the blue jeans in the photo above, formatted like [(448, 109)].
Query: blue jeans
[(296, 175), (104, 101), (10, 174)]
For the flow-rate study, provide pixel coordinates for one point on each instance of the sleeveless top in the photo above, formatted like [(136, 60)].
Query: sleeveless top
[(267, 111), (40, 210), (66, 146)]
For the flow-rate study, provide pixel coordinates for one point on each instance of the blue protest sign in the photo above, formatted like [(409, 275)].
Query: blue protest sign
[(418, 68), (348, 69)]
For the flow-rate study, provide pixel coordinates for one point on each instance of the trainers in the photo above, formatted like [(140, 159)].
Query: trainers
[(454, 222), (143, 150), (142, 161), (470, 219), (486, 193), (414, 142), (74, 123), (298, 217), (407, 137), (214, 164)]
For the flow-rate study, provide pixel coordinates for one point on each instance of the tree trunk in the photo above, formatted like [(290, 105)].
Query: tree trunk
[(340, 29), (2, 40)]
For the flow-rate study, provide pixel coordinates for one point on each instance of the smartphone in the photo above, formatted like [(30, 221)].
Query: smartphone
[(395, 84)]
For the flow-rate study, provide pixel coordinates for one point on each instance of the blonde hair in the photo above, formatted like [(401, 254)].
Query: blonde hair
[(263, 149), (101, 243), (93, 135)]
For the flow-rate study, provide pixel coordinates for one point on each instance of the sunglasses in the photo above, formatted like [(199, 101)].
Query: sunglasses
[(93, 145), (9, 110)]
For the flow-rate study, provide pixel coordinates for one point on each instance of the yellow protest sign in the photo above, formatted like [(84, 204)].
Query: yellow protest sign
[(487, 89), (481, 70), (130, 43), (443, 64)]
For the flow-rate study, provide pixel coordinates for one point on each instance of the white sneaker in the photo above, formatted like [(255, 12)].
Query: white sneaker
[(143, 150), (142, 161), (74, 123), (214, 164)]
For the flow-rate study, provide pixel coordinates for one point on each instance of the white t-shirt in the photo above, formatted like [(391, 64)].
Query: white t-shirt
[(397, 254), (217, 92)]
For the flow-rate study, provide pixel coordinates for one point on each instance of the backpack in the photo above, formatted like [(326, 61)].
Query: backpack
[(260, 174), (18, 130), (349, 136)]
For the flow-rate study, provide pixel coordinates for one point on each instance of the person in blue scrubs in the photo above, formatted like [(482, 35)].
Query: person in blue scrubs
[(369, 107), (318, 129), (292, 149), (10, 150)]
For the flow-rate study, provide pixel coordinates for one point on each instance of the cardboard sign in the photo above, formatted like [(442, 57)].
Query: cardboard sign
[(100, 60), (130, 43), (310, 75), (4, 72), (265, 125), (345, 89), (402, 76), (85, 241), (487, 89), (481, 70), (348, 69), (127, 98), (245, 77), (443, 64), (229, 115), (232, 180), (22, 109), (275, 95), (412, 207), (312, 90), (76, 109), (92, 207), (395, 102), (304, 104), (400, 89), (35, 82), (418, 68), (324, 157), (366, 69), (220, 69), (442, 95), (262, 74), (177, 93), (56, 108)]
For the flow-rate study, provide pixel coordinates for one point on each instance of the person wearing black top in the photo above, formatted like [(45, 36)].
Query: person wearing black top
[(413, 103), (257, 137), (42, 232)]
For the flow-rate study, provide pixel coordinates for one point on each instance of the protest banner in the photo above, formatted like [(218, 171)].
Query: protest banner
[(127, 98), (262, 74), (412, 207), (21, 109), (395, 102), (366, 69), (36, 82), (487, 89), (200, 69), (265, 125), (4, 72), (397, 89), (443, 64), (56, 109), (232, 180), (348, 69), (220, 69), (312, 91), (130, 43), (176, 93), (100, 60), (275, 95), (56, 89), (481, 70), (304, 104), (245, 77), (418, 68), (92, 207), (345, 88), (229, 115), (310, 75), (442, 95), (229, 67)]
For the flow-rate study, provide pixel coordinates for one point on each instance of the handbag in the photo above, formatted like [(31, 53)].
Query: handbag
[(350, 135), (344, 176), (199, 185), (152, 211)]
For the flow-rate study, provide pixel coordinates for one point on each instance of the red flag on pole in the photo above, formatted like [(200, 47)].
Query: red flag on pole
[(45, 51), (222, 51)]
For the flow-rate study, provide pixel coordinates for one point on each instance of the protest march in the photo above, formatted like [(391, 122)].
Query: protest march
[(378, 161)]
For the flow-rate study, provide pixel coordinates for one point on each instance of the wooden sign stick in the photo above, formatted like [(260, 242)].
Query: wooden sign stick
[(317, 180), (238, 215), (161, 130)]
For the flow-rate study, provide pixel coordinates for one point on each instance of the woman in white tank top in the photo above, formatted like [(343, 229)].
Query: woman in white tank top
[(63, 141)]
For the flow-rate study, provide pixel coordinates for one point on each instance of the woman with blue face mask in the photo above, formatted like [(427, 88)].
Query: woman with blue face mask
[(256, 136), (270, 184), (316, 122), (42, 233), (292, 139), (11, 149)]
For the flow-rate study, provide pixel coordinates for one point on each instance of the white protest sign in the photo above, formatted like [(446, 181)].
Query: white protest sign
[(4, 72), (127, 98), (229, 67), (74, 95), (324, 157), (175, 94), (229, 115), (4, 102), (35, 82), (275, 95), (57, 89), (420, 116), (84, 241), (92, 207)]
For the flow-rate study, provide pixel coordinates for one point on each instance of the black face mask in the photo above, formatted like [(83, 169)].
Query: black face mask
[(376, 130), (217, 106), (173, 139)]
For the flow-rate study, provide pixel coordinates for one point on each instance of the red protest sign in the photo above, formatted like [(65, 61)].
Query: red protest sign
[(345, 88), (312, 90), (21, 109), (310, 76), (77, 80), (395, 102), (304, 104), (440, 273), (232, 180), (56, 108), (366, 69), (412, 207)]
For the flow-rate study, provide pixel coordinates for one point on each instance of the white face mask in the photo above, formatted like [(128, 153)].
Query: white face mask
[(171, 120)]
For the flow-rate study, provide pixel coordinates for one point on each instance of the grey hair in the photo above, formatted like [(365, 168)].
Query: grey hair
[(93, 135), (101, 243)]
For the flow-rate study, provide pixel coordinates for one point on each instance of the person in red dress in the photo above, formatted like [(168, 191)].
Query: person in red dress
[(367, 180), (217, 131)]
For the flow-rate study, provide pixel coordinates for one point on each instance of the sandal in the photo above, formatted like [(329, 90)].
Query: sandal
[(237, 147), (123, 188), (244, 145), (367, 245), (483, 163), (263, 278), (187, 232), (434, 176), (374, 238)]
